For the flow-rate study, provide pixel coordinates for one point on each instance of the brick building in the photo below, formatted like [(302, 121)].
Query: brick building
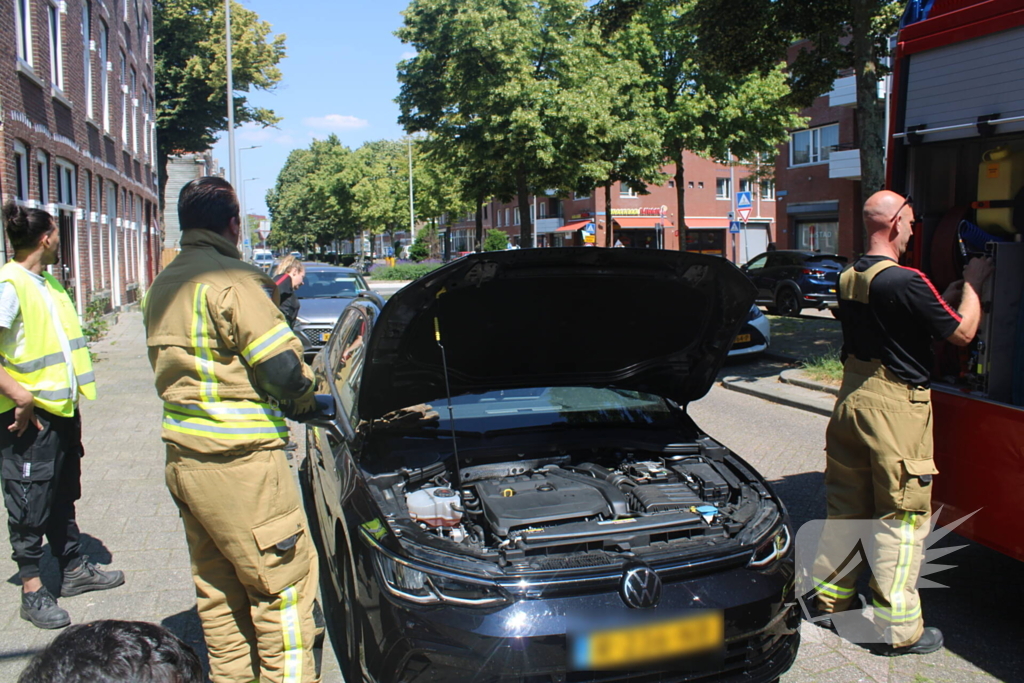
[(182, 169), (645, 220), (78, 137)]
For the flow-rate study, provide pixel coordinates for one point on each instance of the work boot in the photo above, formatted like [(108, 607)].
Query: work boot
[(88, 577), (930, 641), (42, 610)]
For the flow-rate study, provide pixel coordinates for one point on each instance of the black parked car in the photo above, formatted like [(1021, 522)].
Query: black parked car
[(513, 491), (789, 281)]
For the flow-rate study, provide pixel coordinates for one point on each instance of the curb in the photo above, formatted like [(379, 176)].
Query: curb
[(751, 389), (791, 377)]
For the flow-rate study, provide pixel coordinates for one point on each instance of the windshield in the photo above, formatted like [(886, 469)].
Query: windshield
[(325, 284), (552, 406)]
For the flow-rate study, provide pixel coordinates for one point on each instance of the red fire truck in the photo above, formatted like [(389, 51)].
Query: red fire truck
[(957, 147)]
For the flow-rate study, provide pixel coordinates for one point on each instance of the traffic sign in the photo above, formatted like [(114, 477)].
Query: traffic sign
[(744, 212), (734, 226), (743, 200)]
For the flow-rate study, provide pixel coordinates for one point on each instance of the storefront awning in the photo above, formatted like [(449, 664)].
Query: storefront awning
[(707, 223), (575, 225), (649, 222)]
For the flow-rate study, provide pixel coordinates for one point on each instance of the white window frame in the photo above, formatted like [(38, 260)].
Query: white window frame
[(105, 74), (21, 171), (43, 176), (543, 209), (135, 110), (815, 154), (746, 185), (23, 30), (67, 178), (124, 99), (89, 225), (515, 215), (768, 190), (508, 215), (723, 184), (87, 50), (54, 34), (627, 192)]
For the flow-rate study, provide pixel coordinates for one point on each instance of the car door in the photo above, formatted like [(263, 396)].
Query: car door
[(755, 271)]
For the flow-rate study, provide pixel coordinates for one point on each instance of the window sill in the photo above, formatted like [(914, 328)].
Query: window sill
[(813, 163), (58, 94), (109, 136), (26, 70), (724, 199), (92, 123)]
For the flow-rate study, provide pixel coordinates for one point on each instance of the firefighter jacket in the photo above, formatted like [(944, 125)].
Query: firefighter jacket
[(211, 320), (38, 362)]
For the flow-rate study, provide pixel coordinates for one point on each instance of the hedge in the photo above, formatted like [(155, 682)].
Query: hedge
[(402, 271)]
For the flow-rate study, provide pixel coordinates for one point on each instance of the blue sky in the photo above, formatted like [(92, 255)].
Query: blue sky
[(338, 77)]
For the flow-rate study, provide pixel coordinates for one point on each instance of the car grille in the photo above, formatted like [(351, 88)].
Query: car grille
[(316, 335)]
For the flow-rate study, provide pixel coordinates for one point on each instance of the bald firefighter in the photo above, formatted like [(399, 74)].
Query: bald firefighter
[(879, 441), (229, 371)]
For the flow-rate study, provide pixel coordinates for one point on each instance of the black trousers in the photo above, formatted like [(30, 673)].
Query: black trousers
[(42, 479)]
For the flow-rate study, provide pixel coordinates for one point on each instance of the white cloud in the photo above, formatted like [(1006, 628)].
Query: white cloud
[(254, 133), (334, 122)]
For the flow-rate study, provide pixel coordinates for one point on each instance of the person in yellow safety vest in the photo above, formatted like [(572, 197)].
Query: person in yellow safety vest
[(229, 370), (44, 368), (879, 440)]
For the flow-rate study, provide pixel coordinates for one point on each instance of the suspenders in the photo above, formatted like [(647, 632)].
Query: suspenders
[(854, 286)]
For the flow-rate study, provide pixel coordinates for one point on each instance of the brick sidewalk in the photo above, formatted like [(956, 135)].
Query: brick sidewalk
[(126, 515)]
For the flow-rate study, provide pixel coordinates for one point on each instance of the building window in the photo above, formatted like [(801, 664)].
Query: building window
[(543, 208), (105, 75), (581, 195), (767, 190), (485, 211), (43, 176), (124, 99), (723, 188), (745, 184), (56, 50), (689, 184), (20, 171), (533, 212), (65, 182), (671, 183), (700, 185), (135, 112), (626, 191), (813, 146), (87, 56), (23, 21), (515, 215)]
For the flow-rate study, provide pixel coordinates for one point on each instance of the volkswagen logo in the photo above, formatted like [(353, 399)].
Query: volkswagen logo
[(641, 587)]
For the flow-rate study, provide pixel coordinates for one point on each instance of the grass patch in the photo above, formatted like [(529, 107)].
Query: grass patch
[(403, 271), (825, 368)]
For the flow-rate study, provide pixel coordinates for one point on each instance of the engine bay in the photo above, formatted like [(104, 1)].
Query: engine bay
[(599, 500)]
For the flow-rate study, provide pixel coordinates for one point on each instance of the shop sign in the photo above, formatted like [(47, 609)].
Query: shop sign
[(585, 214), (642, 211), (589, 239)]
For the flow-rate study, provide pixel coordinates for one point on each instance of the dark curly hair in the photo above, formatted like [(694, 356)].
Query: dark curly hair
[(115, 652), (24, 226)]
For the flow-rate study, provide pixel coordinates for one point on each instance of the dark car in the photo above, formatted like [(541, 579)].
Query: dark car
[(789, 281), (513, 491), (324, 294)]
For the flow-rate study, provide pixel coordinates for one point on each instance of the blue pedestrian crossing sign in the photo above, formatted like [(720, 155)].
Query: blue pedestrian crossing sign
[(743, 200), (734, 226)]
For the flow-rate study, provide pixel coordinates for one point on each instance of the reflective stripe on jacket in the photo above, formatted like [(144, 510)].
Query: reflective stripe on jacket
[(39, 364)]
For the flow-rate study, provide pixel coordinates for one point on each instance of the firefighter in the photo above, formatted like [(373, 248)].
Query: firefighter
[(879, 440), (230, 370), (45, 367)]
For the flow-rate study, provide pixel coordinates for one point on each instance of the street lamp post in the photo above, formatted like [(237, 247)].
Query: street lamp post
[(245, 221), (242, 202), (231, 95)]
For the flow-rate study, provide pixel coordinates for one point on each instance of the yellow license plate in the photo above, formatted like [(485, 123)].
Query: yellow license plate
[(831, 290), (646, 643), (326, 337), (742, 339)]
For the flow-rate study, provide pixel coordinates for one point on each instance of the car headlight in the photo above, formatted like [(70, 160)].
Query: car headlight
[(299, 320), (430, 586), (774, 547), (755, 313)]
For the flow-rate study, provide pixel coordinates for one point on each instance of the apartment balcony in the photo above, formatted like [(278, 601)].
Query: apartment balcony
[(844, 164), (545, 225), (844, 92)]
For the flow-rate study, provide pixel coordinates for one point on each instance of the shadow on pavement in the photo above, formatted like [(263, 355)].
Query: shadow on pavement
[(803, 494), (91, 547), (186, 625)]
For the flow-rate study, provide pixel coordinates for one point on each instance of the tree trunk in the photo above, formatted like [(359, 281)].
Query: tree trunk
[(680, 199), (870, 109), (608, 242), (447, 249), (525, 225), (479, 223)]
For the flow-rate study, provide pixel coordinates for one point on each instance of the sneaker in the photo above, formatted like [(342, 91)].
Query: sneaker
[(88, 577), (930, 641), (42, 610)]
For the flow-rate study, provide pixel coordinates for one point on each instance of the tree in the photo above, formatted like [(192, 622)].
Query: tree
[(312, 200), (843, 35), (497, 240), (703, 110), (499, 83), (190, 59)]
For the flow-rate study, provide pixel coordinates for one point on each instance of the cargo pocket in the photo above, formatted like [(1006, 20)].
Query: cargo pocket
[(284, 552), (917, 485)]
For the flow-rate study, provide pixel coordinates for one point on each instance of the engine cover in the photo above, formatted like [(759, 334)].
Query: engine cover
[(537, 499)]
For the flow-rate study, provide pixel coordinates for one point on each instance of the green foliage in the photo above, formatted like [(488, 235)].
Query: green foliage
[(94, 325), (190, 76), (403, 271), (496, 240), (827, 367)]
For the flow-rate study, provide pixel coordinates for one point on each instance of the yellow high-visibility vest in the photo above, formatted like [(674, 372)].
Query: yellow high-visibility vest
[(40, 365)]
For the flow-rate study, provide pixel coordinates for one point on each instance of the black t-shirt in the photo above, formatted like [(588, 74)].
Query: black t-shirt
[(904, 313), (289, 302)]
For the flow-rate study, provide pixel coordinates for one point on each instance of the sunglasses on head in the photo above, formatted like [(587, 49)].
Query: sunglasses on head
[(909, 201)]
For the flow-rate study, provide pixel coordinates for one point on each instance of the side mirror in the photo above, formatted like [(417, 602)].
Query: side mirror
[(325, 416)]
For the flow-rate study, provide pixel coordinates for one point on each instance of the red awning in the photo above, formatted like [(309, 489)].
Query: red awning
[(575, 225), (642, 222), (721, 223)]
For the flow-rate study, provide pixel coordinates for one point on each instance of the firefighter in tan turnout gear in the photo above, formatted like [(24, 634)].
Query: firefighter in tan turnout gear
[(879, 440), (229, 371)]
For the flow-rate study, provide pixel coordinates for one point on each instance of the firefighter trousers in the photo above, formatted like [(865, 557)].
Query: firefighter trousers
[(253, 563), (879, 467)]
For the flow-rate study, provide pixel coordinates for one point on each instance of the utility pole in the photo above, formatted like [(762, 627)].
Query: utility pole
[(231, 95), (412, 210)]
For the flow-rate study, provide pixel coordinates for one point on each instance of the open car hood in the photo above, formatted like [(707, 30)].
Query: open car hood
[(654, 321)]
